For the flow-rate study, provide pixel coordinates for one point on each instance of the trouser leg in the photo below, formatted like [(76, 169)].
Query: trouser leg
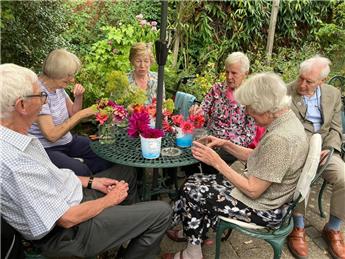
[(61, 160), (143, 223), (80, 147), (335, 175)]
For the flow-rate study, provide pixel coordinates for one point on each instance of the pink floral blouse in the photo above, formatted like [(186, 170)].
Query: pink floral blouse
[(226, 118)]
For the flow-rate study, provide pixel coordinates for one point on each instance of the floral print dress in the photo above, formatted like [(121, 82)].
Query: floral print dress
[(205, 197), (226, 118)]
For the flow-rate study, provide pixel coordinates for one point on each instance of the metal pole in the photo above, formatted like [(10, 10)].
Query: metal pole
[(161, 56)]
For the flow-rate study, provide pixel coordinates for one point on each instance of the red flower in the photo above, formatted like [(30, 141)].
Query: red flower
[(198, 120), (177, 119), (187, 127), (102, 118)]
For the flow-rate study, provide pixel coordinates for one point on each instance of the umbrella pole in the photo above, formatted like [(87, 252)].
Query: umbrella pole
[(161, 57)]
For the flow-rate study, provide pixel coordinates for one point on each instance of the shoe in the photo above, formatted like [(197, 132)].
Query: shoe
[(297, 243), (173, 235), (335, 242)]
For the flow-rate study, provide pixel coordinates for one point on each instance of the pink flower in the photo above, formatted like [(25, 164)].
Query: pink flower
[(143, 22), (177, 119), (153, 23), (187, 127), (152, 133), (198, 120), (108, 110), (138, 122)]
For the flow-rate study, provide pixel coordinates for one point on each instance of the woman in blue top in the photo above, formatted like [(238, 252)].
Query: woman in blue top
[(60, 114)]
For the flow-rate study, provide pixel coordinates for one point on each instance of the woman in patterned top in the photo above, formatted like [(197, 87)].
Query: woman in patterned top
[(226, 118), (60, 114), (141, 58), (262, 193)]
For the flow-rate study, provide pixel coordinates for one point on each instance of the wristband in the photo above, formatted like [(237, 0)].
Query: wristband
[(89, 184)]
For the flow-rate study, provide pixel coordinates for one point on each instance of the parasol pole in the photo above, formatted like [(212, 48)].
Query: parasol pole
[(161, 57)]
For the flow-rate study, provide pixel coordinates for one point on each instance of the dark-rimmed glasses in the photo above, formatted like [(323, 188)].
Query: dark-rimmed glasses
[(42, 95)]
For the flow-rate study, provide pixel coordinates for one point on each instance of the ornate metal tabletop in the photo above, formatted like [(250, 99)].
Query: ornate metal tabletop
[(127, 151)]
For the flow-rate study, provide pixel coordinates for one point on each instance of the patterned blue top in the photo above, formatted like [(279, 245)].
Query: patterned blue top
[(57, 108), (152, 85), (34, 192)]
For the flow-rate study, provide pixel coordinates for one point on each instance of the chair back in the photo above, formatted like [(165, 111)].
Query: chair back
[(183, 101), (309, 169), (311, 172)]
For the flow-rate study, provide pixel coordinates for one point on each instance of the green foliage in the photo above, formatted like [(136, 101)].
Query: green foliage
[(30, 30), (119, 89), (241, 26), (284, 62), (88, 17), (331, 37)]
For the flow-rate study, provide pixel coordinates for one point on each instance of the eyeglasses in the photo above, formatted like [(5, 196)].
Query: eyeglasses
[(42, 95)]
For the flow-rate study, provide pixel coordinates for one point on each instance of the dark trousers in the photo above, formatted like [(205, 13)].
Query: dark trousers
[(64, 157), (11, 242), (143, 224)]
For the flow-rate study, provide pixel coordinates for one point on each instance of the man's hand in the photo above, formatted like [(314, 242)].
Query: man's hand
[(205, 154), (117, 193), (103, 184)]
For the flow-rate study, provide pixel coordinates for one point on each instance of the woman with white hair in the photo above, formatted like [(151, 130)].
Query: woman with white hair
[(225, 117), (60, 114), (260, 195)]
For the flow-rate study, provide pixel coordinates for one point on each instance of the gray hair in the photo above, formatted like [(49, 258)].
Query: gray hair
[(238, 57), (264, 92), (16, 81), (60, 64), (316, 62)]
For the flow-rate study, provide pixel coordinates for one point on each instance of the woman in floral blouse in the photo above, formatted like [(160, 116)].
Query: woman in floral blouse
[(262, 194), (226, 118), (141, 58)]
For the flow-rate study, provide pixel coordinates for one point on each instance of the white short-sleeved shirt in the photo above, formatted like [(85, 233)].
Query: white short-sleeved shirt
[(34, 192), (57, 108)]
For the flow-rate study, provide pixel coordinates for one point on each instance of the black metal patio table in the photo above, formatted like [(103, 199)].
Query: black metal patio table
[(127, 151)]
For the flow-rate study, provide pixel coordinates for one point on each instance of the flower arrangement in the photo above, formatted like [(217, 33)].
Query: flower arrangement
[(110, 112), (140, 122), (187, 126)]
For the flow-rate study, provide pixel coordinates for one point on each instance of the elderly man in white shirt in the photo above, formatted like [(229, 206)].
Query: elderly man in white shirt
[(64, 214)]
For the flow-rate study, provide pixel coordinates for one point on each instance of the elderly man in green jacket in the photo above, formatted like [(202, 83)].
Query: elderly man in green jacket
[(318, 107)]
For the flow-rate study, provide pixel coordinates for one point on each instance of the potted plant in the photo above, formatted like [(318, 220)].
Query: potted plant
[(150, 138)]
